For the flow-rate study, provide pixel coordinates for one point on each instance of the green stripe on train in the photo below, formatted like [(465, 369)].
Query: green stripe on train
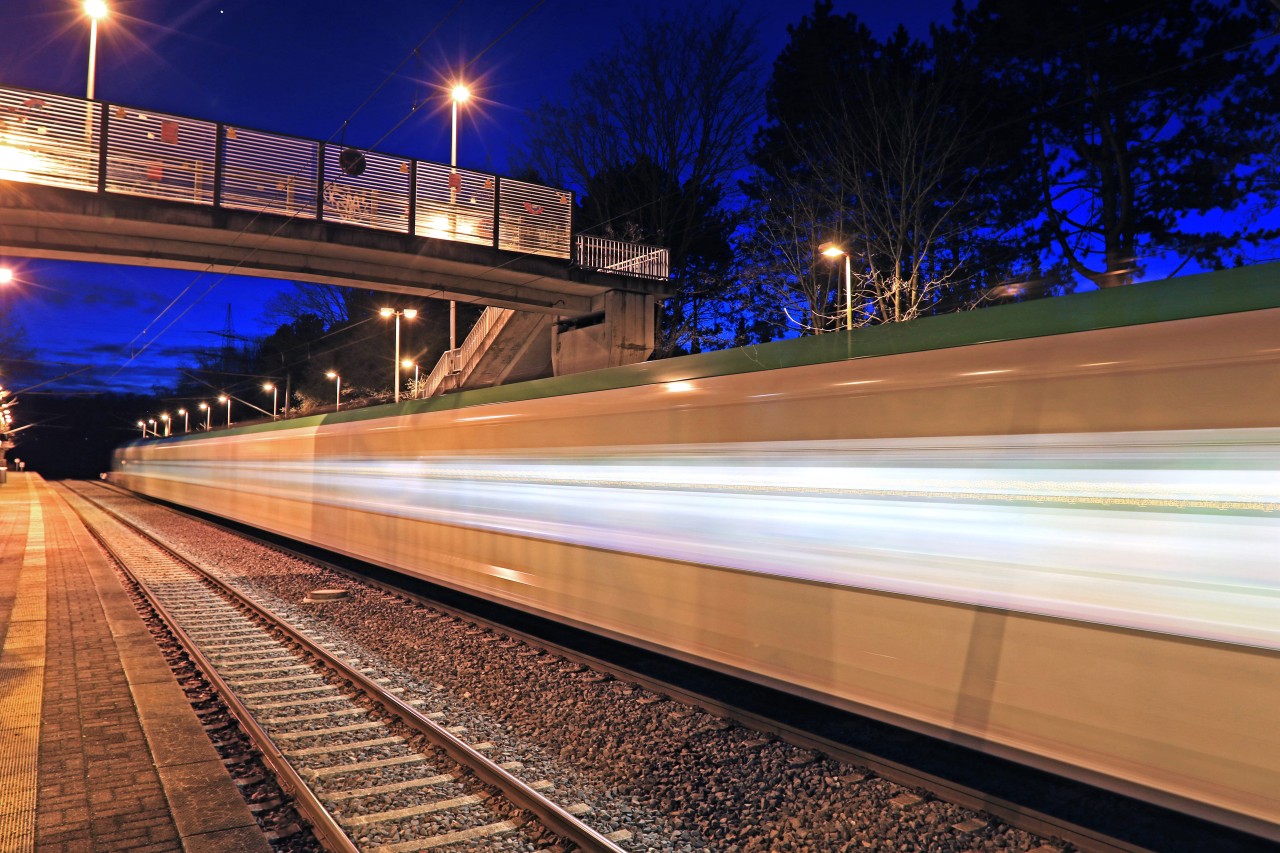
[(1230, 291)]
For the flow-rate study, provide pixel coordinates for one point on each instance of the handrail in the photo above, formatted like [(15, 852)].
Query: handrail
[(618, 256), (464, 359), (103, 147)]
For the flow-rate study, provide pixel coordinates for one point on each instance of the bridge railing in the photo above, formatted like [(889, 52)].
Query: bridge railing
[(605, 255), (60, 141)]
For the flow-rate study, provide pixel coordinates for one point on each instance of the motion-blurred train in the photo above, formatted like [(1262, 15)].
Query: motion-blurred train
[(1050, 531)]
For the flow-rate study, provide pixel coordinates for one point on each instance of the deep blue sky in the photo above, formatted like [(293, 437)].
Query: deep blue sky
[(299, 67)]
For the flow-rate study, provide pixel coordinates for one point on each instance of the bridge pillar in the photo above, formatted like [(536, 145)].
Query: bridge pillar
[(619, 331)]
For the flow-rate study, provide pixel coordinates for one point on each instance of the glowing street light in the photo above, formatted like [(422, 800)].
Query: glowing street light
[(208, 416), (6, 275), (337, 395), (186, 420), (833, 251), (96, 10), (459, 94), (164, 416), (275, 398), (152, 421), (406, 364), (408, 314), (224, 398), (143, 424)]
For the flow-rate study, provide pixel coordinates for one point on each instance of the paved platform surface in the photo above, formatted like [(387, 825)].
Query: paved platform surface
[(99, 748)]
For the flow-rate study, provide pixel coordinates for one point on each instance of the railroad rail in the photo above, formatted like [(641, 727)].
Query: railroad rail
[(362, 784)]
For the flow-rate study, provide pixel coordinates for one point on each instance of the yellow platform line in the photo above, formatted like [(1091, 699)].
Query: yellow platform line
[(22, 687)]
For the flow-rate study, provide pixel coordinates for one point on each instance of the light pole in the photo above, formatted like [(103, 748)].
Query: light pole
[(226, 398), (208, 416), (460, 94), (408, 314), (152, 421), (164, 416), (275, 399), (831, 250), (406, 364), (337, 394), (143, 424), (96, 10), (186, 420)]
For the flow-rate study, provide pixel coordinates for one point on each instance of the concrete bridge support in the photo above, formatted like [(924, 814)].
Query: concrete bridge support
[(618, 331)]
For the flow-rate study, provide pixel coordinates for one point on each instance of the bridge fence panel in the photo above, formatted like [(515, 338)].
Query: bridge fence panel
[(269, 173), (160, 156), (455, 204), (49, 139), (377, 197), (534, 219)]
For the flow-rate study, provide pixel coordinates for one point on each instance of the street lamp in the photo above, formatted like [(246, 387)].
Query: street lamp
[(224, 398), (208, 416), (6, 275), (164, 416), (186, 420), (460, 94), (275, 399), (337, 395), (143, 424), (408, 314), (831, 250), (96, 10), (152, 421), (406, 364)]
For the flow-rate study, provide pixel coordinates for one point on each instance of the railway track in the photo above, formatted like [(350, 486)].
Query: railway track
[(370, 770)]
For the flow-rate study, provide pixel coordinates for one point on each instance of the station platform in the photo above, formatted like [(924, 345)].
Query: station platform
[(99, 748)]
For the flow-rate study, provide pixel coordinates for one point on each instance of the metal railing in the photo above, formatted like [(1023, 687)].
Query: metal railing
[(460, 362), (60, 141), (616, 256)]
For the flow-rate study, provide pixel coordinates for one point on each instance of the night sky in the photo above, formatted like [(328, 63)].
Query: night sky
[(300, 68)]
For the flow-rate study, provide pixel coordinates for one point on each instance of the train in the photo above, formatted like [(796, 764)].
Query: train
[(1046, 530)]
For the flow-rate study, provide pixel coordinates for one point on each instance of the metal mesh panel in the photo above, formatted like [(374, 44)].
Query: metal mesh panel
[(272, 174), (377, 198), (533, 219), (454, 204), (160, 156), (48, 139)]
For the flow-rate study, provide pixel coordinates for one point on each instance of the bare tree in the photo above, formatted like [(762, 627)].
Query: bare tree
[(653, 135)]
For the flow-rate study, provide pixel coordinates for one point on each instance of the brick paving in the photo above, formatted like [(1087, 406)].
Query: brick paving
[(119, 760)]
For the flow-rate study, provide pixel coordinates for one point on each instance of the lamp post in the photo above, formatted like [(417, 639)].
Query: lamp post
[(408, 314), (208, 416), (164, 416), (152, 421), (831, 250), (406, 364), (460, 94), (275, 399), (226, 398), (143, 424), (186, 420), (337, 394), (96, 10)]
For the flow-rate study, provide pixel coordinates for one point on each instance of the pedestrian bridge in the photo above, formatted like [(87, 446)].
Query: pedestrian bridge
[(95, 181)]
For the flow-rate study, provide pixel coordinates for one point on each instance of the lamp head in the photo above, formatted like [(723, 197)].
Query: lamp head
[(6, 275), (267, 386), (831, 250), (96, 9), (386, 312), (204, 406), (406, 363), (222, 398), (182, 411), (460, 94), (331, 375), (410, 313)]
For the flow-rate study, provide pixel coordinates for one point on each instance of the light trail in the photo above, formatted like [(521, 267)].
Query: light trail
[(1171, 532)]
